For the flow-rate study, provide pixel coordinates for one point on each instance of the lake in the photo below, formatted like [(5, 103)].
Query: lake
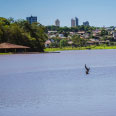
[(55, 84)]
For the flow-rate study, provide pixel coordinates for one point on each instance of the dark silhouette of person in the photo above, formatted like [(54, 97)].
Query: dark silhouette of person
[(87, 69)]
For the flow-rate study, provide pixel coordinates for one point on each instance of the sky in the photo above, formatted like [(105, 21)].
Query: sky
[(97, 12)]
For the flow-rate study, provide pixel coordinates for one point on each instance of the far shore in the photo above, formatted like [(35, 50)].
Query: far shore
[(80, 48), (11, 53), (56, 50)]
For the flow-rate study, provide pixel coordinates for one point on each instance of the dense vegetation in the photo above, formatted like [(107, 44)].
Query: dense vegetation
[(70, 29), (22, 33)]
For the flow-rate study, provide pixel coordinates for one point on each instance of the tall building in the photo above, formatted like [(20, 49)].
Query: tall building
[(57, 23), (73, 23), (86, 23), (76, 21), (114, 34), (31, 19)]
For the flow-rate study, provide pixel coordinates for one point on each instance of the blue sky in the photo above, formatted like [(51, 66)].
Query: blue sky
[(97, 12)]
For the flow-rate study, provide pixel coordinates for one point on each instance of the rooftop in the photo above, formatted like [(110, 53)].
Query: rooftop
[(10, 46)]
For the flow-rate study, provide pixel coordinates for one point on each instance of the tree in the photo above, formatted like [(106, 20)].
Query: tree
[(22, 33), (104, 32), (79, 42), (63, 43), (55, 42), (11, 20), (4, 21)]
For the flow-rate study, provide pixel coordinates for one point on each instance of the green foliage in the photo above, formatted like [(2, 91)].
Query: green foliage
[(56, 43), (11, 20), (104, 32), (22, 33), (4, 21), (63, 43), (52, 28), (79, 42), (81, 48), (70, 29)]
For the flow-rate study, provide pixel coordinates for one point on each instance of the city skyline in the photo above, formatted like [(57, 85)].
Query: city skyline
[(74, 21), (99, 13)]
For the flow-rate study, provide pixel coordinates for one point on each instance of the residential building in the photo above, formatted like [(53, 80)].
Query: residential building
[(47, 43), (52, 32), (114, 34), (57, 23), (72, 23), (81, 32), (86, 23), (31, 19), (61, 35)]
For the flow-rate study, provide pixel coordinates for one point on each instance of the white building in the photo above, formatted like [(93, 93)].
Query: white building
[(61, 35)]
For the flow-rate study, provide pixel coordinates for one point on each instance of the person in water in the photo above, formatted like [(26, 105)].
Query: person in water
[(87, 69)]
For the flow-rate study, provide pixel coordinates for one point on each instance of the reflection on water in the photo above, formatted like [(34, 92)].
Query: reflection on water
[(56, 84)]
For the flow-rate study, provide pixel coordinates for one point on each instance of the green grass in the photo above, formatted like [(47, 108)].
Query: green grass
[(62, 49), (70, 48), (80, 48), (5, 53), (105, 47)]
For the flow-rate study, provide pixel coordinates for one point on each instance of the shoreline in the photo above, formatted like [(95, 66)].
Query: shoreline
[(57, 50), (80, 48), (28, 53)]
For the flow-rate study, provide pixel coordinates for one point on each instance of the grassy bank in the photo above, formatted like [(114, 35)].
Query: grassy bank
[(5, 53), (70, 48), (80, 48)]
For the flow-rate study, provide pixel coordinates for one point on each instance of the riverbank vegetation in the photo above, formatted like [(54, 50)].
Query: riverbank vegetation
[(20, 32), (5, 53), (80, 48)]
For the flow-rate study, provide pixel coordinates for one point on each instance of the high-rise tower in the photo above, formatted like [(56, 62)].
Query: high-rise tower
[(72, 23), (31, 19), (57, 23), (76, 21), (86, 23)]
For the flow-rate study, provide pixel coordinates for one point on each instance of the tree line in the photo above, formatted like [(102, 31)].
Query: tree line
[(70, 29)]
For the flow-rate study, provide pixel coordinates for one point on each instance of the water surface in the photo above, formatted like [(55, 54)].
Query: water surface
[(56, 84)]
